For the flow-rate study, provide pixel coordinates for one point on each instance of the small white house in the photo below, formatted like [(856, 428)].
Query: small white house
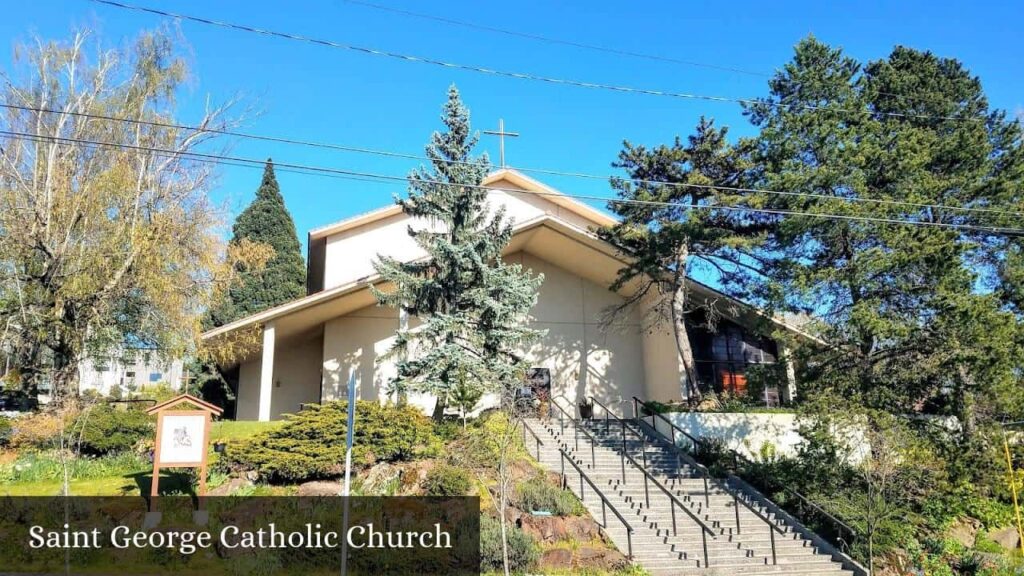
[(311, 345), (129, 370)]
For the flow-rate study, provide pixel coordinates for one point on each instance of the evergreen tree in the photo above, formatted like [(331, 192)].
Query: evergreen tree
[(666, 237), (472, 305), (265, 221), (899, 137)]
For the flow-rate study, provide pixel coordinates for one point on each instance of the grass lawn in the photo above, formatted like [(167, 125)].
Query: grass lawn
[(121, 481), (224, 430)]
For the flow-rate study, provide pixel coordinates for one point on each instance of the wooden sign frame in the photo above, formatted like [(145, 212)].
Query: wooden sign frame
[(204, 409)]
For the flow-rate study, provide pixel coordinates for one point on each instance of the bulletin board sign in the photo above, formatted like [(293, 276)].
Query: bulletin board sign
[(182, 437)]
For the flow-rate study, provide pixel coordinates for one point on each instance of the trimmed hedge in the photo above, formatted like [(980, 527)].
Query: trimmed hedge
[(104, 429), (311, 444)]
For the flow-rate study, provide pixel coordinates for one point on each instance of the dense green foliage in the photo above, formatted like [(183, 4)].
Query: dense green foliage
[(446, 480), (104, 429), (473, 306), (311, 444), (665, 237), (919, 319), (6, 429), (539, 494), (283, 278), (522, 550), (899, 304)]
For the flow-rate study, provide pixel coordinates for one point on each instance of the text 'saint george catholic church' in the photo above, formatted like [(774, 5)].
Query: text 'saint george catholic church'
[(311, 346)]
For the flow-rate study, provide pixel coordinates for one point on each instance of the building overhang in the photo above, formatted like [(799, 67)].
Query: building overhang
[(578, 251)]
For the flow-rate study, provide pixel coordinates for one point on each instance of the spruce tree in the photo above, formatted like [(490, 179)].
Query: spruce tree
[(472, 305), (265, 221)]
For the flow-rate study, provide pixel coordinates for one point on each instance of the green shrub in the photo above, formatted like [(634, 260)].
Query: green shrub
[(445, 480), (36, 431), (522, 551), (311, 444), (539, 494), (6, 429), (104, 429)]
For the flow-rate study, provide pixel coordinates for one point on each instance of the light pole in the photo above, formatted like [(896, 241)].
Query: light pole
[(1012, 479)]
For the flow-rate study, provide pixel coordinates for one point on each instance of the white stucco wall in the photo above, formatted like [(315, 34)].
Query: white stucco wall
[(751, 433), (296, 380), (349, 255), (583, 359)]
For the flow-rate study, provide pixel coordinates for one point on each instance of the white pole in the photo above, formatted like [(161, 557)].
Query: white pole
[(348, 466)]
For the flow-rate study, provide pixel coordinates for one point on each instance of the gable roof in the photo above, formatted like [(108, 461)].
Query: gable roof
[(548, 237), (521, 182), (185, 399)]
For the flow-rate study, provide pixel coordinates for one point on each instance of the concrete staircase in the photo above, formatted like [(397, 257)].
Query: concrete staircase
[(666, 538)]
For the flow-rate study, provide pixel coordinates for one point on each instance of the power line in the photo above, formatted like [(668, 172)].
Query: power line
[(551, 40), (550, 172), (583, 45), (770, 211), (516, 75)]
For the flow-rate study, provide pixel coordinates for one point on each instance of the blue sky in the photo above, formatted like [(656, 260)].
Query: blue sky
[(315, 93)]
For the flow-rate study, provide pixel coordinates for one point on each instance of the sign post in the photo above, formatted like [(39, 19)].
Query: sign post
[(182, 439), (348, 466)]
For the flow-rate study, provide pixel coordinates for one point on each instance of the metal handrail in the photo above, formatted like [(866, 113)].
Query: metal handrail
[(576, 431), (705, 529), (605, 502), (772, 526), (675, 428), (540, 442), (736, 458), (647, 475), (804, 500)]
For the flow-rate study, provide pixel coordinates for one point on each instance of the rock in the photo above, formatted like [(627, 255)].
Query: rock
[(600, 559), (251, 475), (1007, 538), (543, 528), (556, 559), (582, 528), (965, 531), (319, 488)]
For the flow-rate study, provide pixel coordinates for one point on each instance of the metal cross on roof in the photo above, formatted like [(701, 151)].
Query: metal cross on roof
[(500, 133)]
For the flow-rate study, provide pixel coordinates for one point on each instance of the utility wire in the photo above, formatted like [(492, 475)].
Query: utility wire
[(550, 172), (770, 211), (516, 75), (583, 45), (551, 40)]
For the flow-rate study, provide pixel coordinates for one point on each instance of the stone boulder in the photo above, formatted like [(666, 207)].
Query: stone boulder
[(606, 559), (1008, 538), (965, 531), (319, 488), (556, 559)]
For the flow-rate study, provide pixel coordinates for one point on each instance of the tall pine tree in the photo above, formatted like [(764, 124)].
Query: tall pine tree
[(473, 306), (897, 140), (265, 221), (666, 237)]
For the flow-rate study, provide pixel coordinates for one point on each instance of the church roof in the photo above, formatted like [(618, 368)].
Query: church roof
[(520, 181)]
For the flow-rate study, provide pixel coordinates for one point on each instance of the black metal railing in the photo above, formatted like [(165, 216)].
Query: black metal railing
[(605, 503), (562, 416), (804, 509), (539, 442), (650, 478), (706, 474)]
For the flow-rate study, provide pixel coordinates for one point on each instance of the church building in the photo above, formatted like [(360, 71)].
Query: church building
[(308, 350)]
